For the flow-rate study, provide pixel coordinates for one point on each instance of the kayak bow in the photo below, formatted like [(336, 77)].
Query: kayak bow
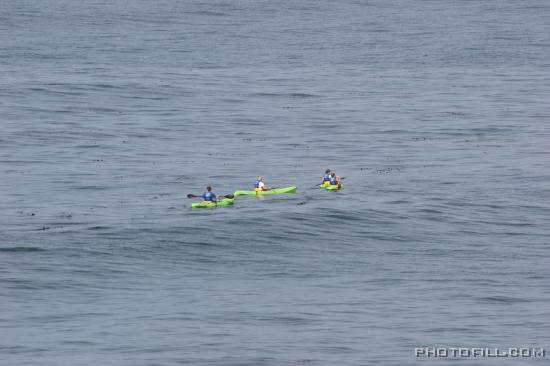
[(335, 187)]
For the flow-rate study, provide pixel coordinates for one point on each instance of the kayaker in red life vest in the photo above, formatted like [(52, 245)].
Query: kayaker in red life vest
[(209, 195), (260, 186)]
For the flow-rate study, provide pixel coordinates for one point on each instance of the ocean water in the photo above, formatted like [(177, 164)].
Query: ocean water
[(437, 113)]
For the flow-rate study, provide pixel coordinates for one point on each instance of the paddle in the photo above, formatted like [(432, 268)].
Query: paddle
[(191, 195)]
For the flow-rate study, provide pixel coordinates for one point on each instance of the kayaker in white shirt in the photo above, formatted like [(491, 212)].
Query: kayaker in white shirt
[(260, 186)]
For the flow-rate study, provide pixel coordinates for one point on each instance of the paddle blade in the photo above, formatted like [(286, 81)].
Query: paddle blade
[(229, 196), (190, 195)]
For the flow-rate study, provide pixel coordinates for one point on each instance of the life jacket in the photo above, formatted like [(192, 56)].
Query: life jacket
[(257, 184), (326, 178), (333, 181), (208, 196)]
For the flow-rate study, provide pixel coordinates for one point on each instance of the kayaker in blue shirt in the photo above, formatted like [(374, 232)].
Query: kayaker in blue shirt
[(209, 195), (260, 186), (334, 179)]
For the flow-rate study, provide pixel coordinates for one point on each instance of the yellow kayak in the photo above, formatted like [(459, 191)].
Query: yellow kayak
[(333, 187), (211, 204), (291, 189)]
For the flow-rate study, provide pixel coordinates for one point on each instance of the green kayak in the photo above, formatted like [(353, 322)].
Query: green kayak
[(210, 204), (265, 193), (335, 187)]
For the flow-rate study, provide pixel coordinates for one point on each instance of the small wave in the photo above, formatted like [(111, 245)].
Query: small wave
[(207, 13), (397, 202), (284, 95), (20, 249), (92, 188), (101, 86), (502, 299), (343, 216), (99, 227), (429, 211)]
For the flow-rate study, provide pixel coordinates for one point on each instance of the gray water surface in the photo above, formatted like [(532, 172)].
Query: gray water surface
[(436, 112)]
